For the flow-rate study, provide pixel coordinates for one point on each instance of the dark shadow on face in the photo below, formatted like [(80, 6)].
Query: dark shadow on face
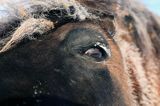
[(43, 73)]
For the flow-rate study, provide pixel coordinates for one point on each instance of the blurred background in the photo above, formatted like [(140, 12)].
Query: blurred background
[(153, 5)]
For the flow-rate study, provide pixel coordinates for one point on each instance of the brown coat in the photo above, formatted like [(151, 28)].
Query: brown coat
[(132, 31)]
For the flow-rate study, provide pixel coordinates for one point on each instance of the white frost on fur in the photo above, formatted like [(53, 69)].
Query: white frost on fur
[(13, 8), (80, 11)]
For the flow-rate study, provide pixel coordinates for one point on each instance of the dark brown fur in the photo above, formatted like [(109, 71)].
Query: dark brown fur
[(132, 31)]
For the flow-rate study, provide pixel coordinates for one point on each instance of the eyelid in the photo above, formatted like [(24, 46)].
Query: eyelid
[(104, 47), (97, 44)]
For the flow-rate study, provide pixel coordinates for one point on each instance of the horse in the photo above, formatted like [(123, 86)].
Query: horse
[(79, 53)]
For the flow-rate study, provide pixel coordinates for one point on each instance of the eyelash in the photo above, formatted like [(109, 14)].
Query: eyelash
[(95, 48)]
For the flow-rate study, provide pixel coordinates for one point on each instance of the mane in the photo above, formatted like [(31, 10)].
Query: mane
[(137, 34)]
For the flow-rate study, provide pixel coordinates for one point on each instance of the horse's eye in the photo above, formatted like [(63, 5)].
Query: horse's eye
[(98, 52), (88, 44), (94, 52)]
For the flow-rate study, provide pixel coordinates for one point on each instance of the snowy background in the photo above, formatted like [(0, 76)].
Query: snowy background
[(153, 5)]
